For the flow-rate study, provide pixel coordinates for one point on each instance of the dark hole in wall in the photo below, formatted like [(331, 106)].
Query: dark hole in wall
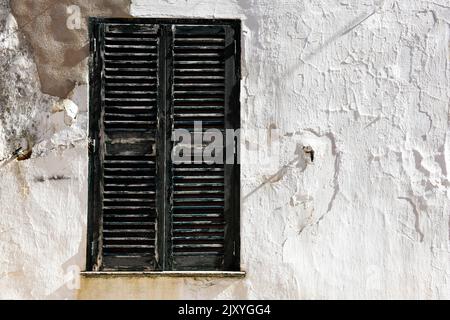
[(25, 155)]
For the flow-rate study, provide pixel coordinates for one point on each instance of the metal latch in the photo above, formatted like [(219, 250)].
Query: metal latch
[(91, 145)]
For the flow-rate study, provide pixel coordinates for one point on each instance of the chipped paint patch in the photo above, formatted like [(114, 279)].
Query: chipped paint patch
[(60, 49)]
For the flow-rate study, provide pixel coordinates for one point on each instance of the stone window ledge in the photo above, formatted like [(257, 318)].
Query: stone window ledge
[(159, 274)]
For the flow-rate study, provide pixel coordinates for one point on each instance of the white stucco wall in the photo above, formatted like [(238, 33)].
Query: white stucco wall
[(370, 218)]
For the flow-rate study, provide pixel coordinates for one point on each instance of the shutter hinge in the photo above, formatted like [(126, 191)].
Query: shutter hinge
[(92, 145), (95, 44)]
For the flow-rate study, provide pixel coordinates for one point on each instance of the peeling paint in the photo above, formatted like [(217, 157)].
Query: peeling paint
[(59, 52)]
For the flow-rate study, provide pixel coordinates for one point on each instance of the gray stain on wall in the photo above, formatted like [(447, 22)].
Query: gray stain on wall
[(60, 52)]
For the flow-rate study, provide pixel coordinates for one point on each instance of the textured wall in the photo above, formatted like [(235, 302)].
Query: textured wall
[(59, 44), (364, 83)]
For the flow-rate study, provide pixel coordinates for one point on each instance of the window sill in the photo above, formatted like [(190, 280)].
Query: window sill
[(159, 274)]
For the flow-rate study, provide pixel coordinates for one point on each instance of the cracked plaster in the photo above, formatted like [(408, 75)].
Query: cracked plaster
[(364, 83)]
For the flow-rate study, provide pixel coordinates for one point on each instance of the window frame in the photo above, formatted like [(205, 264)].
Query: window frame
[(93, 226)]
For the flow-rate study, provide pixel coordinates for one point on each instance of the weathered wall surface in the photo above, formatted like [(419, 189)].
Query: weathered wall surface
[(364, 83), (58, 42)]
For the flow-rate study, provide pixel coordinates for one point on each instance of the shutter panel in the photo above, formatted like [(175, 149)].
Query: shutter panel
[(127, 152), (204, 86)]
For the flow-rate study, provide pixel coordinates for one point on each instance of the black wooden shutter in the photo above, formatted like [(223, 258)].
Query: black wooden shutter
[(147, 213), (125, 145), (203, 204)]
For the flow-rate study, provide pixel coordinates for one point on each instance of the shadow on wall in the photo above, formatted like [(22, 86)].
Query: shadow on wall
[(57, 32)]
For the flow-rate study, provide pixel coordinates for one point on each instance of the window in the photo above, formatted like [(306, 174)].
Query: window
[(150, 78)]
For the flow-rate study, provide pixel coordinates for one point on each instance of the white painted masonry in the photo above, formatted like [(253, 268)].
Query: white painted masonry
[(364, 83)]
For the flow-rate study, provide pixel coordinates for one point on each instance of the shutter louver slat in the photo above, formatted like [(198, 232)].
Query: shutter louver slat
[(130, 70)]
